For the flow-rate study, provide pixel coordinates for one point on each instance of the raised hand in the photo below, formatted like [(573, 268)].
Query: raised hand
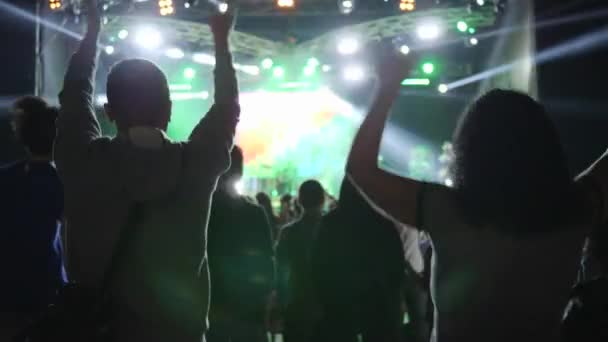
[(221, 25), (393, 66), (93, 18)]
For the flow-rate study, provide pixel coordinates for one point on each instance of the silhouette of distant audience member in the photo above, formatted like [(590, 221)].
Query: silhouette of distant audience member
[(266, 203), (160, 289), (286, 213), (296, 293), (240, 262), (507, 237), (358, 269), (31, 207)]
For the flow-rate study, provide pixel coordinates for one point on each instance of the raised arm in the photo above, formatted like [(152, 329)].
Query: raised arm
[(218, 127), (393, 196), (76, 124), (593, 186)]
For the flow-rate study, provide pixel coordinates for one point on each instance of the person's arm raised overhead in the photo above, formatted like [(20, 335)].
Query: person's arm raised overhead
[(218, 127), (76, 124), (395, 197), (593, 183)]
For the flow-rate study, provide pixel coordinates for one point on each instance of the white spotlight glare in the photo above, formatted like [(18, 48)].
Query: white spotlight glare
[(474, 41), (354, 73), (148, 38), (481, 2), (222, 7), (175, 53), (123, 34), (428, 31), (346, 6), (404, 49), (326, 68), (109, 49), (348, 46), (443, 88), (203, 58)]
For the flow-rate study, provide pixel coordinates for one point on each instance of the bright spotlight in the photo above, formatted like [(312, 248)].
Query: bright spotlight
[(189, 73), (473, 41), (428, 31), (326, 68), (404, 49), (348, 46), (428, 68), (267, 63), (203, 58), (309, 70), (222, 7), (165, 7), (175, 53), (481, 2), (278, 72), (313, 62), (443, 88), (286, 3), (109, 49), (239, 187), (354, 73), (123, 34), (55, 5), (407, 5), (462, 26), (148, 38), (346, 6)]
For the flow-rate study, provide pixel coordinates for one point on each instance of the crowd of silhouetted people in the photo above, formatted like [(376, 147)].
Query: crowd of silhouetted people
[(139, 238)]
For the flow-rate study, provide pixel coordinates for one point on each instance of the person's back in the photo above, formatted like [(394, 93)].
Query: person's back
[(143, 183), (296, 291), (31, 207), (240, 262)]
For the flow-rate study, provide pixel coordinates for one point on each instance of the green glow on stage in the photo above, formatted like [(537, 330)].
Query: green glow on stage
[(189, 73), (278, 72), (428, 68), (416, 82), (267, 63), (462, 26)]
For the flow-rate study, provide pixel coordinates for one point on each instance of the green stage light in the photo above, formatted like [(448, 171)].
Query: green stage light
[(428, 68), (309, 70), (472, 30), (278, 72), (267, 63), (313, 62), (462, 26), (189, 73), (416, 82)]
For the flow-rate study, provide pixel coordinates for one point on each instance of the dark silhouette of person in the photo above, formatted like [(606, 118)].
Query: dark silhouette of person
[(240, 262), (296, 293), (31, 207), (358, 268), (142, 181), (507, 237), (266, 203), (286, 212)]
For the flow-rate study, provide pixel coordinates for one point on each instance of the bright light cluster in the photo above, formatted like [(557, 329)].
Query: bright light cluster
[(286, 3), (407, 5), (166, 7), (346, 6), (55, 5)]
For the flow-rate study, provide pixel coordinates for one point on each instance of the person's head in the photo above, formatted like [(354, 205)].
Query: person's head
[(311, 196), (234, 174), (265, 202), (34, 125), (138, 95), (286, 203), (509, 168)]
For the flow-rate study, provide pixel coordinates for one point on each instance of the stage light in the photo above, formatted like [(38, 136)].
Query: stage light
[(348, 46), (472, 30), (187, 5), (326, 68), (473, 41), (481, 2), (462, 26), (203, 58), (428, 31), (309, 70), (407, 5), (109, 49), (443, 88), (175, 53), (253, 70), (346, 6), (165, 7), (123, 34), (222, 7), (428, 68), (416, 82), (313, 62), (189, 73), (267, 63), (354, 73), (278, 72), (239, 187), (404, 49), (148, 38), (55, 5), (190, 3), (286, 3)]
